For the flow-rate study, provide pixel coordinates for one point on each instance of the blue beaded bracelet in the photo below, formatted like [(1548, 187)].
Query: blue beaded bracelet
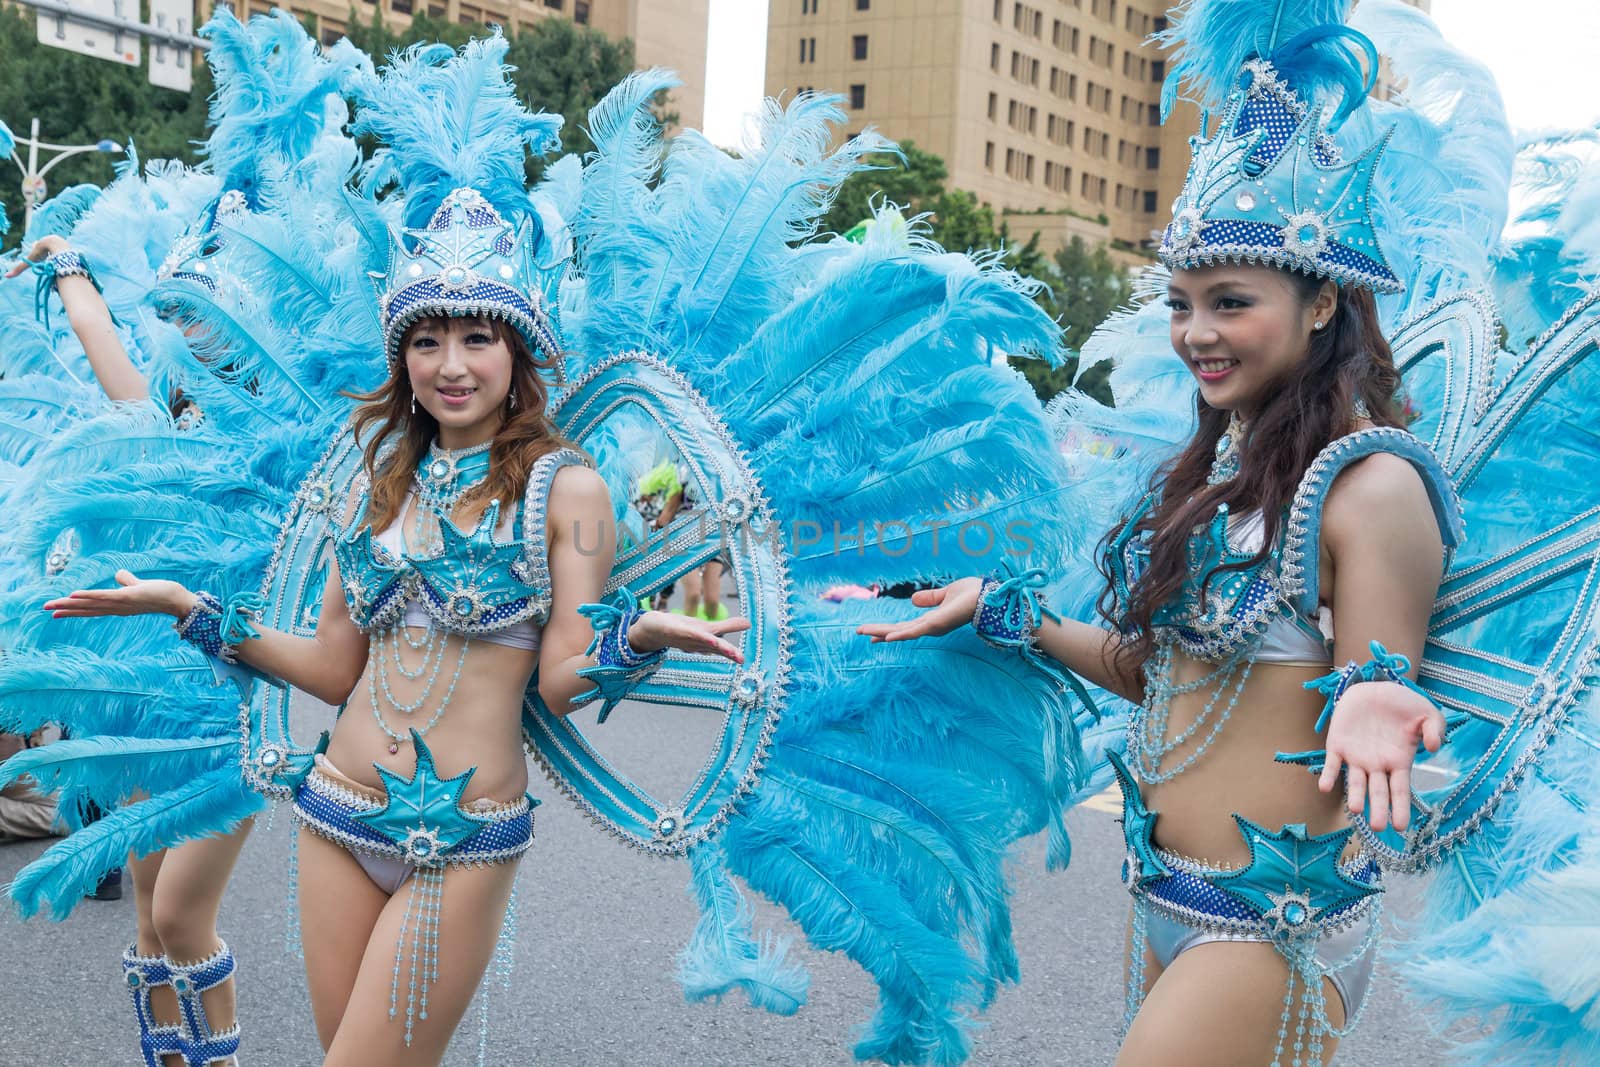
[(618, 668), (64, 264), (219, 630), (1008, 616)]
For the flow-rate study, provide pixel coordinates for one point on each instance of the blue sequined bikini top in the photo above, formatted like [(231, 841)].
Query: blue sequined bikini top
[(474, 584), (1240, 605)]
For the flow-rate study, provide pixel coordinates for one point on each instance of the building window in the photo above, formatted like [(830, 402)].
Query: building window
[(988, 155), (858, 97), (1150, 202), (858, 46), (1158, 70), (998, 4), (994, 105), (400, 7), (863, 5), (808, 7), (556, 4), (808, 49), (1152, 158), (994, 57), (580, 12)]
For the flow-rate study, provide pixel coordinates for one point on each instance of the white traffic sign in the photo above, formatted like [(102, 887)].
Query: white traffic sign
[(61, 30), (171, 65)]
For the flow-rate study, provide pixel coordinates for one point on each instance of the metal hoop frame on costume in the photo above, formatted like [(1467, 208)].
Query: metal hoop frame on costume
[(750, 698), (1502, 713)]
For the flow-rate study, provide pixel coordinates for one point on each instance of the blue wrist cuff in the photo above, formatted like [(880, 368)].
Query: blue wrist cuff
[(1011, 610), (217, 629), (618, 669), (1008, 616), (64, 264), (1384, 666)]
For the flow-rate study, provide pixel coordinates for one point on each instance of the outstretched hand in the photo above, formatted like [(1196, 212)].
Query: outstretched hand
[(662, 629), (1374, 734), (43, 248), (951, 607), (131, 596)]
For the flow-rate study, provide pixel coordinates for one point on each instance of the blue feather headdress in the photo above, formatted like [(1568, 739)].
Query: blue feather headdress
[(1270, 185), (455, 140)]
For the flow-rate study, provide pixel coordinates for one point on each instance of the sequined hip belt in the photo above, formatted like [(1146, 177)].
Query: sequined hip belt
[(345, 812), (1191, 894), (1294, 887)]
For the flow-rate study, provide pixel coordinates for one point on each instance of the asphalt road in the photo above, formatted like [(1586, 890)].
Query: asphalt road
[(593, 987)]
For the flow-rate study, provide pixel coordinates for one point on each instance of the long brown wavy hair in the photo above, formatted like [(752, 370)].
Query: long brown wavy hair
[(1304, 414), (526, 435)]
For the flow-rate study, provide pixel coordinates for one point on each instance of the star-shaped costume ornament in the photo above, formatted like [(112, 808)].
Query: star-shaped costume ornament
[(422, 813), (1144, 864), (1294, 879)]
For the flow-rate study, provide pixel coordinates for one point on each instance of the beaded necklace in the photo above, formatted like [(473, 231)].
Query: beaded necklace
[(441, 481), (1149, 724)]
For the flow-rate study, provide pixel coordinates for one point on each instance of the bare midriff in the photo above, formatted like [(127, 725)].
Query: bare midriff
[(481, 727), (1275, 713)]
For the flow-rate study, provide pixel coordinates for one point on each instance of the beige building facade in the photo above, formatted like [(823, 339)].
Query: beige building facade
[(1048, 110), (665, 33)]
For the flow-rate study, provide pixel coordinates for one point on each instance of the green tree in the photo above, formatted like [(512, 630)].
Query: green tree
[(1084, 286), (915, 181), (79, 100)]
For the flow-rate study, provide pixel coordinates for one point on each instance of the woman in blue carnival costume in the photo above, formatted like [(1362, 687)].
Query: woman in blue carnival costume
[(458, 437), (276, 105), (1298, 525), (474, 533)]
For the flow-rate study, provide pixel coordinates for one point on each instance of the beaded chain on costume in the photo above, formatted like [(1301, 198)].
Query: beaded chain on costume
[(1148, 726), (443, 479)]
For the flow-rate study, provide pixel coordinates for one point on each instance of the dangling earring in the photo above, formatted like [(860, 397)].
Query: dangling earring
[(512, 398), (413, 405), (1360, 410)]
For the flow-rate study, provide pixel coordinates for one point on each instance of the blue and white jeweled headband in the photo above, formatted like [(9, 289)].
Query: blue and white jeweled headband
[(468, 260), (1269, 187)]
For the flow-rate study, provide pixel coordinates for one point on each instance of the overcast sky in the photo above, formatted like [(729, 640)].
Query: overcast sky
[(1545, 57)]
